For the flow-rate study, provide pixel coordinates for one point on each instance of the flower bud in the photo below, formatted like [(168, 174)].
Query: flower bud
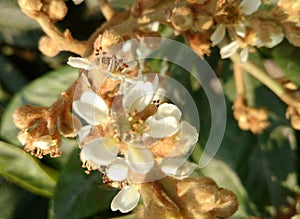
[(202, 22), (31, 7), (107, 39), (48, 47), (295, 122), (56, 10), (182, 18), (26, 115)]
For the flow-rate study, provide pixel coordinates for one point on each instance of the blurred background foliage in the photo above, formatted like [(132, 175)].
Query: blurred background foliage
[(262, 170)]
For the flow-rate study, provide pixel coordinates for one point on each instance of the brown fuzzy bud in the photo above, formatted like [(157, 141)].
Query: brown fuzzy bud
[(56, 10), (254, 119), (202, 22), (292, 33), (31, 7), (48, 47), (295, 122), (188, 198), (293, 114), (107, 39), (200, 42), (182, 18), (26, 115)]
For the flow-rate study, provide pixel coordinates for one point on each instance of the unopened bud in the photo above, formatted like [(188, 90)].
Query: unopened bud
[(202, 22), (48, 47), (31, 7), (182, 18), (295, 122), (26, 115), (107, 39), (56, 10)]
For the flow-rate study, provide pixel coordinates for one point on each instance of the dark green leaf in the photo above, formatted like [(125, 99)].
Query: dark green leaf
[(266, 163), (43, 92), (16, 28), (287, 57), (77, 195), (26, 171), (17, 203), (10, 76)]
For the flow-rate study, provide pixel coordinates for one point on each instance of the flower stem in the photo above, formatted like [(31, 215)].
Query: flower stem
[(64, 40), (239, 80), (263, 77), (106, 9)]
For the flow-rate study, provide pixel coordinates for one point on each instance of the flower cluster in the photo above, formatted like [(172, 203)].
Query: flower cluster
[(134, 137), (237, 18)]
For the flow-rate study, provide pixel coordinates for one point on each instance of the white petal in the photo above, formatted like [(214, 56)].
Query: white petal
[(240, 30), (178, 167), (77, 2), (229, 50), (94, 99), (167, 109), (84, 131), (170, 165), (244, 55), (188, 134), (80, 63), (44, 142), (162, 127), (92, 108), (23, 137), (165, 122), (101, 151), (138, 95), (118, 170), (140, 159), (248, 7), (185, 170), (126, 200), (218, 35)]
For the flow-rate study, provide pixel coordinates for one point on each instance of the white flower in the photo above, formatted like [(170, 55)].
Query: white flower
[(140, 159), (138, 93), (246, 7), (98, 152), (232, 48), (92, 108), (126, 199), (165, 122), (177, 167), (118, 170)]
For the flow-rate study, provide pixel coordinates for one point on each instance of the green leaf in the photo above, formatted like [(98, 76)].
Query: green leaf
[(267, 163), (287, 57), (26, 171), (16, 28), (43, 92), (9, 73), (9, 198), (77, 195), (15, 202)]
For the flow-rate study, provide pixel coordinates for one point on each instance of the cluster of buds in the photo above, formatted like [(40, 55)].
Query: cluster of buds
[(250, 118), (42, 127), (293, 113), (55, 10)]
